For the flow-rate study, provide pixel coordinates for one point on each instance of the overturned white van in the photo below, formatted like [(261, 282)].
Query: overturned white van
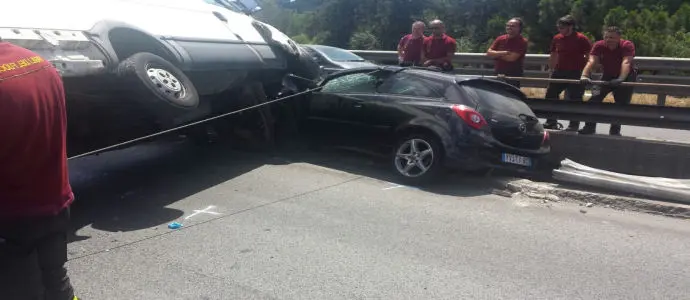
[(133, 67)]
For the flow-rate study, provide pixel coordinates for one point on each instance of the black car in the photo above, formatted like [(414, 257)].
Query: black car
[(428, 120)]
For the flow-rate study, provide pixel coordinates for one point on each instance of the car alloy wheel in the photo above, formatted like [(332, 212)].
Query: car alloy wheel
[(414, 158)]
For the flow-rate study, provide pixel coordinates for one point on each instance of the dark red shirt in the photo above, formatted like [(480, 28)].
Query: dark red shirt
[(573, 51), (412, 48), (439, 47), (517, 44), (33, 157), (611, 60)]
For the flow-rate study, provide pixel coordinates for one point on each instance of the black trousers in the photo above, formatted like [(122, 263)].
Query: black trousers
[(573, 91), (622, 95), (33, 253)]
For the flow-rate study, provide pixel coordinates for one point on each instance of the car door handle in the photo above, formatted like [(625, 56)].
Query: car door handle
[(358, 104), (220, 16)]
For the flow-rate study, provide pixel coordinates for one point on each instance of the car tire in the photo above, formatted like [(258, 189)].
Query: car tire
[(404, 156), (162, 87)]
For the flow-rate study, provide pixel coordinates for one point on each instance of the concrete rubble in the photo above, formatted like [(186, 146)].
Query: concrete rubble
[(553, 192)]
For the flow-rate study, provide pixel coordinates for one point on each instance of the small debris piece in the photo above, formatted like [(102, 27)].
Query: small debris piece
[(552, 198), (584, 211), (174, 225), (589, 204), (503, 193)]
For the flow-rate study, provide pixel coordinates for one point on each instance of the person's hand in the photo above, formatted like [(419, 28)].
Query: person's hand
[(585, 80), (615, 82)]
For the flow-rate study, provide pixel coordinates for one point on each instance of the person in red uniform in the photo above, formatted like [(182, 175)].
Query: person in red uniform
[(569, 53), (439, 48), (508, 51), (410, 46), (35, 193), (615, 55)]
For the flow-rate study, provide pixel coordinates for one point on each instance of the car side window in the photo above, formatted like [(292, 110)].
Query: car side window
[(226, 6), (351, 83), (408, 85)]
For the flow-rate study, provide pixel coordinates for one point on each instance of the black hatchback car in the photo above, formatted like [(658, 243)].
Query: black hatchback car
[(428, 120)]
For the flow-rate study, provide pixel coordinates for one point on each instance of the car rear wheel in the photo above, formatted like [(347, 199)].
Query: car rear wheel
[(417, 158)]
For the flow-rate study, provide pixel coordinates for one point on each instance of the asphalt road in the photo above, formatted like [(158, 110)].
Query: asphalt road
[(331, 226)]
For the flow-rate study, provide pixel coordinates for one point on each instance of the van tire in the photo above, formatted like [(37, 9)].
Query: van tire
[(162, 87)]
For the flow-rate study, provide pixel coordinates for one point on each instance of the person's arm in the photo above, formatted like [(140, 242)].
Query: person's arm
[(553, 55), (593, 61), (626, 65), (400, 47), (515, 55), (452, 48), (491, 52)]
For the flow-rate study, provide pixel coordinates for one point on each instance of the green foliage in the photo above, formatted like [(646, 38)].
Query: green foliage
[(657, 27), (364, 40)]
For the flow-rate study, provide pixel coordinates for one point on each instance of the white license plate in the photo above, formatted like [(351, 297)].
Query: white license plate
[(516, 159)]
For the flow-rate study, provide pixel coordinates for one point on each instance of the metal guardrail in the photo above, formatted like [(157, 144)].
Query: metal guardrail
[(536, 66)]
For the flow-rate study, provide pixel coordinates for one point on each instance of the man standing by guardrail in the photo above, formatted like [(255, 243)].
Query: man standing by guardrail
[(509, 51), (35, 193), (439, 48), (616, 58), (569, 53), (411, 45)]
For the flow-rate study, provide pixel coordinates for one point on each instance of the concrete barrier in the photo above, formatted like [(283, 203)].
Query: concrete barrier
[(626, 155)]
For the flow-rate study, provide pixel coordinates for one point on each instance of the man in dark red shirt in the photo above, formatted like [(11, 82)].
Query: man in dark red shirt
[(569, 53), (509, 51), (616, 58), (439, 48), (34, 184), (410, 46)]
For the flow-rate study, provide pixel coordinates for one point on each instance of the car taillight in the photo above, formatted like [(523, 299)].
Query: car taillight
[(470, 116), (546, 137)]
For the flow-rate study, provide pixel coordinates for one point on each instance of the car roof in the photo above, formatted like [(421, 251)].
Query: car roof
[(461, 79)]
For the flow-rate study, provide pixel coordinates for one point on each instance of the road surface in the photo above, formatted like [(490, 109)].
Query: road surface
[(333, 226)]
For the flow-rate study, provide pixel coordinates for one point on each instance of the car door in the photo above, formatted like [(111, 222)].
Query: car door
[(403, 96), (342, 107)]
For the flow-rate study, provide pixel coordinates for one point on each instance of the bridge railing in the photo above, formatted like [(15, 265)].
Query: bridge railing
[(652, 70)]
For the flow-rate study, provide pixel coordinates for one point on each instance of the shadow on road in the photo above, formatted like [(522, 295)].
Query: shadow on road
[(129, 189)]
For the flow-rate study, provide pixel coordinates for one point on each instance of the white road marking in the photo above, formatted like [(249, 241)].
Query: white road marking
[(393, 187), (206, 210)]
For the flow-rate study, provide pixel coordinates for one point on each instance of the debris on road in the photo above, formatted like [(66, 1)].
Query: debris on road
[(557, 192), (657, 187), (174, 225)]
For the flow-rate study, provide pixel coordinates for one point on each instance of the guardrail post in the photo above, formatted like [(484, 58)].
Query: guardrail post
[(661, 99)]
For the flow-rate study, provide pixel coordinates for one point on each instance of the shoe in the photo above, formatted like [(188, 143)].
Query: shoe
[(615, 133)]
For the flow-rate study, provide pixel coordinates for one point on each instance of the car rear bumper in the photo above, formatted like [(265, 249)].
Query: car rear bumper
[(492, 156)]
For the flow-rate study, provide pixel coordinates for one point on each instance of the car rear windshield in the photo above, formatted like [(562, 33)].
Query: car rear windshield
[(339, 54), (496, 99)]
